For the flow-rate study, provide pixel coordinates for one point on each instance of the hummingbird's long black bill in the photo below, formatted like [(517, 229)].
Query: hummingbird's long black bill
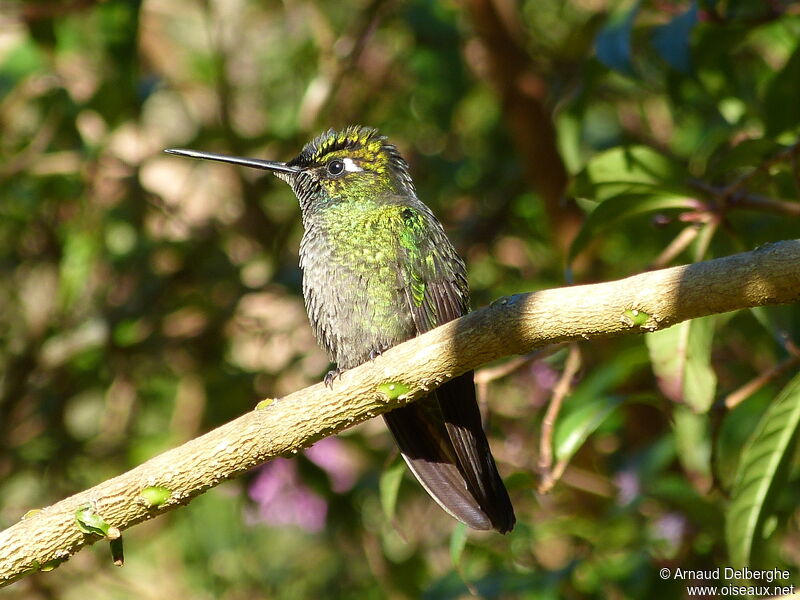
[(255, 163)]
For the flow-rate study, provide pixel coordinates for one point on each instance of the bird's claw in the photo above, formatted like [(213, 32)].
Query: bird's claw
[(376, 352), (337, 372), (331, 375)]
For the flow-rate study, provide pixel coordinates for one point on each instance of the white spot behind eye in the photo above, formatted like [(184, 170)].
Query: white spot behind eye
[(350, 166)]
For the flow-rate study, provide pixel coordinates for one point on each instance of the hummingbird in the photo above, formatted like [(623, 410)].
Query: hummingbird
[(378, 269)]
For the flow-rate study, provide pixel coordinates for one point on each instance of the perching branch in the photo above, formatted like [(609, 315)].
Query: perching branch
[(511, 325)]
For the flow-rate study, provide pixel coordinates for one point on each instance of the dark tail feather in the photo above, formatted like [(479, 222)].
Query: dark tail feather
[(442, 440), (463, 422)]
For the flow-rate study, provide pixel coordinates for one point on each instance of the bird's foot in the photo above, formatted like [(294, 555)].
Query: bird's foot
[(331, 375), (373, 354)]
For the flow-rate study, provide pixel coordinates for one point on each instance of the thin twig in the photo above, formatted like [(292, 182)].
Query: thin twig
[(791, 347), (489, 374), (484, 376), (785, 154), (733, 196), (676, 246), (584, 480), (766, 204), (704, 238), (550, 479), (751, 387), (562, 388)]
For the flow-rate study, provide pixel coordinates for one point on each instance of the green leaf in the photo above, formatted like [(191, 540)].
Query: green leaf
[(733, 432), (90, 522), (623, 207), (52, 564), (458, 541), (681, 358), (762, 472), (629, 169), (671, 41), (569, 129), (744, 156), (265, 403), (23, 60), (130, 331), (781, 105), (635, 317), (573, 429), (693, 443), (389, 486), (613, 43), (615, 371), (394, 389), (156, 495), (77, 263), (590, 403)]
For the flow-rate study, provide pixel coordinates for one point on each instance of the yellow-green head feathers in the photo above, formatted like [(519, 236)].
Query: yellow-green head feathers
[(351, 164)]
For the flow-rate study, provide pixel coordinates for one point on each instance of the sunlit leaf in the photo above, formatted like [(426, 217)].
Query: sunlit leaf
[(574, 428), (615, 371), (743, 156), (24, 59), (761, 473), (90, 522), (672, 41), (629, 169), (623, 207), (681, 358), (155, 495), (77, 263), (590, 403), (389, 486), (693, 443), (458, 541)]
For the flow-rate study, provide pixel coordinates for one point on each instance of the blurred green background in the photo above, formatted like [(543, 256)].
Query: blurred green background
[(145, 299)]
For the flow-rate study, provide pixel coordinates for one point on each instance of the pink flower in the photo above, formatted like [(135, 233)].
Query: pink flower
[(335, 458), (283, 499)]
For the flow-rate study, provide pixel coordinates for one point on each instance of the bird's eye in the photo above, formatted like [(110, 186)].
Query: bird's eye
[(335, 166)]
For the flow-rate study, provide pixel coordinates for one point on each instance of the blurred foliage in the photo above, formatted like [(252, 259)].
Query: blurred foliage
[(145, 299)]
